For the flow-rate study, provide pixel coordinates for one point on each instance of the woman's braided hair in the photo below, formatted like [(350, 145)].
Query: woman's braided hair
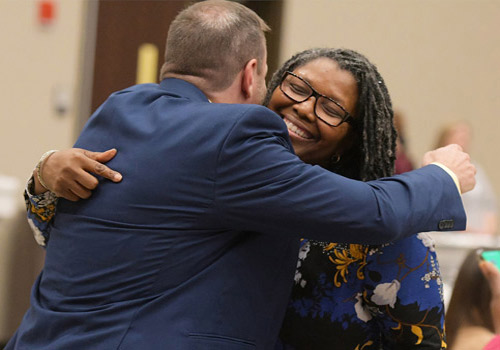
[(373, 153)]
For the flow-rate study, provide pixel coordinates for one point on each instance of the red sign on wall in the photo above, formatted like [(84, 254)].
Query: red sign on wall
[(46, 12)]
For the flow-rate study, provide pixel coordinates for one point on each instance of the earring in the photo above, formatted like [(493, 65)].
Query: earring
[(335, 159)]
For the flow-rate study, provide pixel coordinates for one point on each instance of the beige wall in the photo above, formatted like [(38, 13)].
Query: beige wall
[(440, 60), (35, 62)]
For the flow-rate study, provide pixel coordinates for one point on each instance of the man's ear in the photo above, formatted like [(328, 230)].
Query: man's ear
[(248, 78)]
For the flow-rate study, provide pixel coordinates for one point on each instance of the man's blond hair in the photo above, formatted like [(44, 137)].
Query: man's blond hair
[(213, 40)]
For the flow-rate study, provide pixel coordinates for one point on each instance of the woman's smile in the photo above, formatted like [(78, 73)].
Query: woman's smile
[(296, 130)]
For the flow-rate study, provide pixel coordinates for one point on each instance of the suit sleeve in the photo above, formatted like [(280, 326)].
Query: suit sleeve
[(262, 186)]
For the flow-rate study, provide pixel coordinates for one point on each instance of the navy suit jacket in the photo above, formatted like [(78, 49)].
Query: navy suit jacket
[(196, 248)]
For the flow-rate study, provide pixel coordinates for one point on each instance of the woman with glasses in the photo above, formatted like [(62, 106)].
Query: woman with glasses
[(349, 296)]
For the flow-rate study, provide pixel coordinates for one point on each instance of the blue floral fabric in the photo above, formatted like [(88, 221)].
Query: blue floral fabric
[(41, 209), (360, 297)]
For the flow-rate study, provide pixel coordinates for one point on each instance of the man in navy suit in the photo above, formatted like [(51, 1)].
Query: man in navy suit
[(197, 246)]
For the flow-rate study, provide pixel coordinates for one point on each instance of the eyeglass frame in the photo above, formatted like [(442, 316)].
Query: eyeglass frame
[(348, 118)]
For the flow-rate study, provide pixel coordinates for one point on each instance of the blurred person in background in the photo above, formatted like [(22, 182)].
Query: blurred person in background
[(473, 315), (403, 161), (480, 203)]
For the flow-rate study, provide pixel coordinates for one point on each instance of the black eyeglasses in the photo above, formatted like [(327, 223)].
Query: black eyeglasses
[(326, 109)]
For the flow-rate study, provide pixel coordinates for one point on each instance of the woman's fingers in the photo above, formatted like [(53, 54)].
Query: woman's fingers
[(94, 164)]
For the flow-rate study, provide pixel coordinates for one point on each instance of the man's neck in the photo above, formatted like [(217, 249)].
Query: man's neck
[(232, 94)]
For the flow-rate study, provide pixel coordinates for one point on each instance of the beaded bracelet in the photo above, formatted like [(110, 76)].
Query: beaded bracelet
[(39, 166)]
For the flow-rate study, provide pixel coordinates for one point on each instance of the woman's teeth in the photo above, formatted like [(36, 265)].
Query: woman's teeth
[(292, 127)]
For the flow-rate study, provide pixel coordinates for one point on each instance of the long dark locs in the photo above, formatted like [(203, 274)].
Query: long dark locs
[(374, 151)]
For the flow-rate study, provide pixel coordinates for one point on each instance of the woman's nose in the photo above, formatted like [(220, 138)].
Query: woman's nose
[(305, 110)]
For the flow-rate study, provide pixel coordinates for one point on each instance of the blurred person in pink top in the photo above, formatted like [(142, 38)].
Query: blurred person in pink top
[(480, 203), (403, 161), (473, 316)]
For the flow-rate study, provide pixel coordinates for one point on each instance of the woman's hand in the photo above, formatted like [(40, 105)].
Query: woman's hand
[(492, 275), (67, 173)]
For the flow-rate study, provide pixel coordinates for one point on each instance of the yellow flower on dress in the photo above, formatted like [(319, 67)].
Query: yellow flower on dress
[(418, 332), (45, 214), (368, 343), (330, 246), (345, 257)]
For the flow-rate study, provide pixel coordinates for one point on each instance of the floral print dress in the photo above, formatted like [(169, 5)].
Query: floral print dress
[(360, 297)]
